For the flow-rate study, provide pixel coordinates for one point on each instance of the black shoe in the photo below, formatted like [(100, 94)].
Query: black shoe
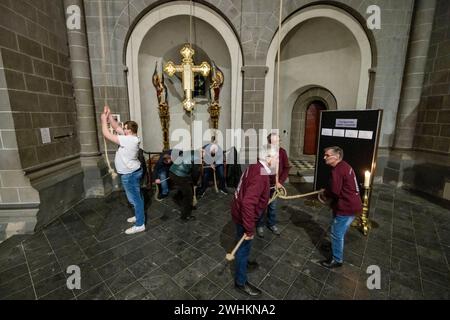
[(274, 230), (331, 264), (224, 191), (260, 232), (248, 289), (188, 218)]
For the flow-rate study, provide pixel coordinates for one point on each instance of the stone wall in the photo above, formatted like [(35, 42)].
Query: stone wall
[(433, 124), (36, 92), (255, 23)]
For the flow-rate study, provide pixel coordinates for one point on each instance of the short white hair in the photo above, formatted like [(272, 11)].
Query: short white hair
[(267, 151)]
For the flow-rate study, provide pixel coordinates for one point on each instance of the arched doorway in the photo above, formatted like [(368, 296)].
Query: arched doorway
[(312, 123), (300, 101), (338, 57), (157, 37)]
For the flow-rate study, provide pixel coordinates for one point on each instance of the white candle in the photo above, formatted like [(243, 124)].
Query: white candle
[(367, 180)]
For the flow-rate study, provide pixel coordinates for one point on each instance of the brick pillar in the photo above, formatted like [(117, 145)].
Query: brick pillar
[(414, 73), (97, 181)]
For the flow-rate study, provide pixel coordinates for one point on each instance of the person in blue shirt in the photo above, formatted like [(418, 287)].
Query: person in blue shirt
[(212, 164), (161, 173)]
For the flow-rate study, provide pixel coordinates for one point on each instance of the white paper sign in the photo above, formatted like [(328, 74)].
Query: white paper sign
[(338, 133), (365, 135), (327, 132), (346, 123), (351, 134), (45, 135)]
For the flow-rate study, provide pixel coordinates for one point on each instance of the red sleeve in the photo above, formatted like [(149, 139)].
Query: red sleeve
[(335, 184), (250, 203), (283, 166)]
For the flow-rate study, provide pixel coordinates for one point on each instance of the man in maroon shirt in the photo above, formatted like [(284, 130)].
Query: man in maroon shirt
[(343, 190), (283, 172), (250, 199)]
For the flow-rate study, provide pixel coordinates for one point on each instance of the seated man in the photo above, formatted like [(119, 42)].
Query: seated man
[(212, 164), (183, 173), (161, 173)]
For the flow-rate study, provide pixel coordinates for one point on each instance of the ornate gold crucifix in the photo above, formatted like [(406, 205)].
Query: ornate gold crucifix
[(187, 69)]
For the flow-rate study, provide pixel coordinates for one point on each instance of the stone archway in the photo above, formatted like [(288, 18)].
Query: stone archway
[(315, 56), (173, 11), (298, 116)]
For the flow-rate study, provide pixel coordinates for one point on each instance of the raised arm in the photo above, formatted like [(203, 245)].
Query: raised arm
[(106, 133), (114, 124)]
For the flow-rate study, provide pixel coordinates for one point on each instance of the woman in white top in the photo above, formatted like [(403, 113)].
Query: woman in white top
[(127, 165)]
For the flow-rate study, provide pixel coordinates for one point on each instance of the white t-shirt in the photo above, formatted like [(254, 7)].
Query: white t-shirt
[(126, 160)]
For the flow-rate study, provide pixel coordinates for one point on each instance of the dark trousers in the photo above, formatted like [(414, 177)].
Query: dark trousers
[(241, 257), (208, 175), (184, 187)]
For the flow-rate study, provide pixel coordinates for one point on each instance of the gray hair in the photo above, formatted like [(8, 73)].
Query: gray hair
[(267, 151), (336, 150)]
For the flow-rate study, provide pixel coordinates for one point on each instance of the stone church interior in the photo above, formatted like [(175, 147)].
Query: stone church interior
[(227, 72)]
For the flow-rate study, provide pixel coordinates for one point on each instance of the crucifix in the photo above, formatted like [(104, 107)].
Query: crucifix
[(187, 70)]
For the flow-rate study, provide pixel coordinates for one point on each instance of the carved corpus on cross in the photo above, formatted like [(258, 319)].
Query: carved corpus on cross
[(187, 69)]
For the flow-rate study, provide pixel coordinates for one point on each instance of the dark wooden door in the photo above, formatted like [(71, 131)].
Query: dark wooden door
[(312, 127)]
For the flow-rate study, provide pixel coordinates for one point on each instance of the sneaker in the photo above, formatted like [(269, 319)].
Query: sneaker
[(131, 220), (224, 191), (331, 264), (260, 232), (274, 230), (135, 229)]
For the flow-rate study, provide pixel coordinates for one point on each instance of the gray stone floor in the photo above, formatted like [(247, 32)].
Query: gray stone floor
[(176, 260)]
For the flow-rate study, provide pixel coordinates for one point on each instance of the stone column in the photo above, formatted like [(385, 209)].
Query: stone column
[(253, 105), (97, 181), (413, 79)]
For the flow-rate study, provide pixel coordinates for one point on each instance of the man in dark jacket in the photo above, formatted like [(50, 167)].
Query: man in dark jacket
[(184, 173), (250, 198), (283, 173), (161, 172), (343, 190)]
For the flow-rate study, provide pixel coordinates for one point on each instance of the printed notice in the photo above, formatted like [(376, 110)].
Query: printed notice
[(351, 134), (327, 132), (45, 135), (346, 123), (365, 135), (338, 133)]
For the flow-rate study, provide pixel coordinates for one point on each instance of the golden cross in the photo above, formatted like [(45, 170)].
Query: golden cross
[(187, 69)]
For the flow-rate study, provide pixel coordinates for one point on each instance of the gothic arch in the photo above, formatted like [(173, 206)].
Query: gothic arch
[(319, 11), (199, 11)]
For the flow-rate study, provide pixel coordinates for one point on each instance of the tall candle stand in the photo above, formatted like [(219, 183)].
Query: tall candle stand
[(363, 222)]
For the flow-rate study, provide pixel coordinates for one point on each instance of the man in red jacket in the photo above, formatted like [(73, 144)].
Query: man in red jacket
[(343, 190), (283, 173), (250, 199)]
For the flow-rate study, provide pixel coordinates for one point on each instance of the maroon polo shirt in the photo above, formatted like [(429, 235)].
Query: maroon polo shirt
[(251, 197), (343, 189)]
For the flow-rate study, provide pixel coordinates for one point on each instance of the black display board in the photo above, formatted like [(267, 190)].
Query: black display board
[(357, 133)]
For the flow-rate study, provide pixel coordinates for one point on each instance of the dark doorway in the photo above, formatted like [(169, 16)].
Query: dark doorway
[(312, 126)]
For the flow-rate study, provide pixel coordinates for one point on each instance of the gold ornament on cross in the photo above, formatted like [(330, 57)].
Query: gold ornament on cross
[(187, 70)]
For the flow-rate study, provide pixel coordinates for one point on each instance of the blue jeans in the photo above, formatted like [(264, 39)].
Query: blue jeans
[(132, 184), (339, 228), (271, 213), (164, 184), (208, 175), (241, 257)]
